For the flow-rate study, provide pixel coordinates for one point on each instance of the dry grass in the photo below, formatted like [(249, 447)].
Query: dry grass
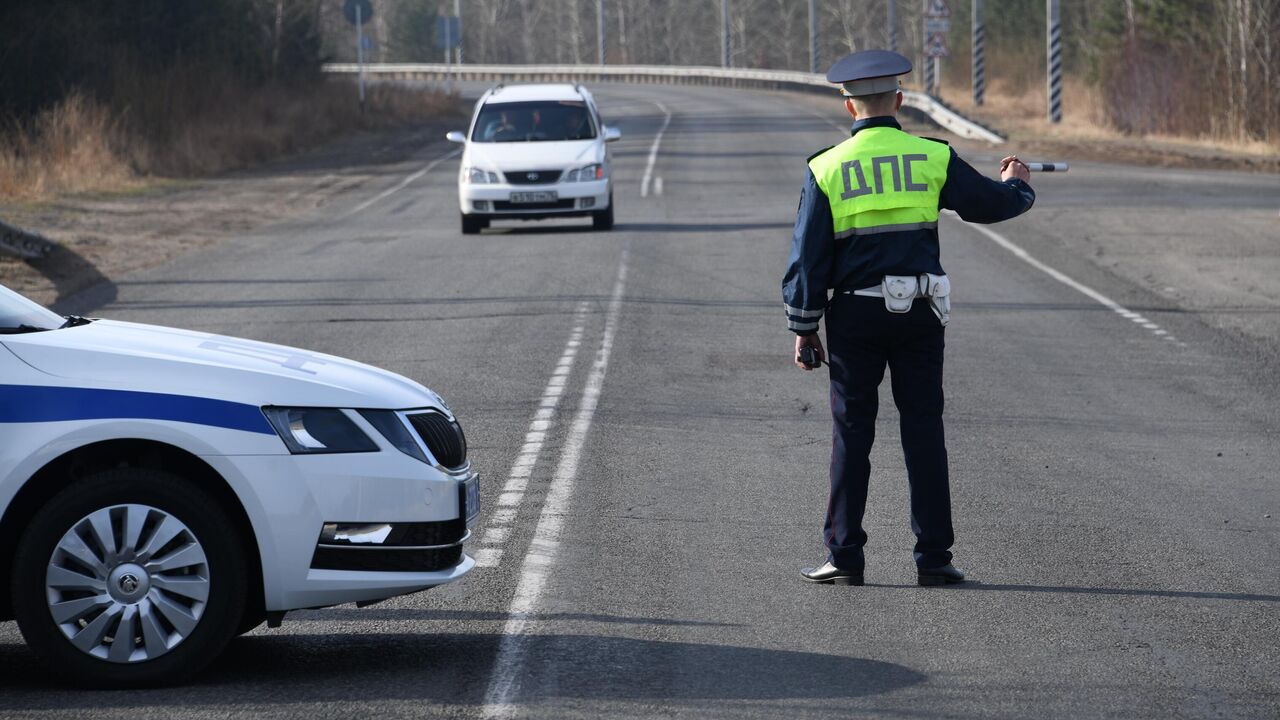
[(1022, 113), (69, 148), (187, 124)]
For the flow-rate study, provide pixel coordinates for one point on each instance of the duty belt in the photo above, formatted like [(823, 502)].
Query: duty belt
[(900, 291)]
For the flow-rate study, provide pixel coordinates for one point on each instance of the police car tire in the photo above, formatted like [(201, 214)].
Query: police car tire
[(183, 500), (603, 220)]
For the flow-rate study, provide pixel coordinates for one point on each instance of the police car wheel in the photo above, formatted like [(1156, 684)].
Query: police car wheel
[(130, 577), (603, 220)]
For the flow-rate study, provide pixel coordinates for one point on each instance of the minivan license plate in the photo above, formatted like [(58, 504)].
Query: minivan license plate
[(533, 197)]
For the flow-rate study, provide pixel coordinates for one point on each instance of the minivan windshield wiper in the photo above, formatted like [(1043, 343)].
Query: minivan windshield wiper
[(20, 329)]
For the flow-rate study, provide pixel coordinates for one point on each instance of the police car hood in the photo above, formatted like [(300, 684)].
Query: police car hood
[(150, 358), (549, 155)]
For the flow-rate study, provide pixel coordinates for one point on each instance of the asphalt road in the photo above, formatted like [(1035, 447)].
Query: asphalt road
[(1114, 477)]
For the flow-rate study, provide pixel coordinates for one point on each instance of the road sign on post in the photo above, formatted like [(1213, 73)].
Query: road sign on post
[(448, 32), (357, 13), (448, 37), (935, 46), (936, 25)]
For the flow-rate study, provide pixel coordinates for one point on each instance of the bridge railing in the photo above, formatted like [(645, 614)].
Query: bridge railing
[(935, 109)]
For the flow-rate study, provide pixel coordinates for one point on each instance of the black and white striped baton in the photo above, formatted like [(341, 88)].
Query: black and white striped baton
[(1047, 166)]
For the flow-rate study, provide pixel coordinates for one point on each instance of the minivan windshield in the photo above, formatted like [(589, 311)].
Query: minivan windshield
[(541, 121), (18, 314)]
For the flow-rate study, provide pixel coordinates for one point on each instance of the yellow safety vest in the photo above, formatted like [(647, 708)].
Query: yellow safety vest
[(882, 180)]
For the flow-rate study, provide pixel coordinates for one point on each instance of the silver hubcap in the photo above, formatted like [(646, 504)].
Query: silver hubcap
[(127, 583)]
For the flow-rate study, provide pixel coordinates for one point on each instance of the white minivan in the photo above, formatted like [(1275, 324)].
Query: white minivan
[(163, 490), (535, 151)]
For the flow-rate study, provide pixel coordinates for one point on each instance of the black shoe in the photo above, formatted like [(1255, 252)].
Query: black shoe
[(831, 575), (945, 575)]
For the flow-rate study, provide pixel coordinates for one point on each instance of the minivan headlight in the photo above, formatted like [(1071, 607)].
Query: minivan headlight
[(476, 176), (594, 171), (318, 430)]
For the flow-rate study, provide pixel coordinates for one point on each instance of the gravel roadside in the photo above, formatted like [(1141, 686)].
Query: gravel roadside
[(109, 235)]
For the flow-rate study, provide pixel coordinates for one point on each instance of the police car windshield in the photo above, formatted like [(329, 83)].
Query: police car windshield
[(19, 315), (545, 121)]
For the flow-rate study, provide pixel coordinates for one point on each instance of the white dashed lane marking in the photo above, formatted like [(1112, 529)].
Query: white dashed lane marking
[(508, 502), (499, 700), (653, 152), (1136, 318), (400, 185)]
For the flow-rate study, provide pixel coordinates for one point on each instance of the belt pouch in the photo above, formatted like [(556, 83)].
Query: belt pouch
[(939, 293), (899, 291)]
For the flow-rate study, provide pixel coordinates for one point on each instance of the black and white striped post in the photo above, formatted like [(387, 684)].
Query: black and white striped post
[(600, 32), (813, 36), (726, 59), (979, 55), (892, 22), (1054, 60)]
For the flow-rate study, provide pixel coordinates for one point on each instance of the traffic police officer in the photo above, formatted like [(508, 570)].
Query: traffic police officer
[(867, 232)]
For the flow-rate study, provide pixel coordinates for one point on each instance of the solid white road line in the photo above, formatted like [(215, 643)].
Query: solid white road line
[(653, 151), (499, 699), (508, 503), (400, 185), (1079, 287)]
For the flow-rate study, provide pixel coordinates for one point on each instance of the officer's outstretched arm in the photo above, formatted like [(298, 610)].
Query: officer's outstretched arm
[(977, 198)]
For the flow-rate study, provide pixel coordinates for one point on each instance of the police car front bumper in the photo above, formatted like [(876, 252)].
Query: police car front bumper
[(358, 527), (534, 201)]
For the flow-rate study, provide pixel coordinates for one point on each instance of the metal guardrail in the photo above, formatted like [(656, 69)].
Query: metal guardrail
[(23, 244), (934, 108)]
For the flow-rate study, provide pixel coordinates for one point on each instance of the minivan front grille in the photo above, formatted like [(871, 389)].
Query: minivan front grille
[(532, 177), (442, 436), (504, 206)]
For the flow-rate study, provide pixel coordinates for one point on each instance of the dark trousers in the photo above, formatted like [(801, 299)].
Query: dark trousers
[(862, 338)]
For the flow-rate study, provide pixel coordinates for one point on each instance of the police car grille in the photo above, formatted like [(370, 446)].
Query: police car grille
[(442, 436), (391, 560), (533, 177)]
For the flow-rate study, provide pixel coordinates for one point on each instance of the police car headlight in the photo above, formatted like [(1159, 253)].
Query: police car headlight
[(318, 430), (476, 176), (590, 172), (393, 429)]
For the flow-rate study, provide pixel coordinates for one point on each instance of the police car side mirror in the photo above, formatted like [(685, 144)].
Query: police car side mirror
[(611, 134), (456, 136)]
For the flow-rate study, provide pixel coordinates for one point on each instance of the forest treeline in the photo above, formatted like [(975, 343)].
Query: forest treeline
[(94, 93), (102, 48), (1190, 67), (1180, 67)]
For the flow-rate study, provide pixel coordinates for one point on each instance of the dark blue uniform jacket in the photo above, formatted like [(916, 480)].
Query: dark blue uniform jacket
[(820, 263)]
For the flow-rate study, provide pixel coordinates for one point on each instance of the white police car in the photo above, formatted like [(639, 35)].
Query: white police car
[(163, 490), (535, 151)]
